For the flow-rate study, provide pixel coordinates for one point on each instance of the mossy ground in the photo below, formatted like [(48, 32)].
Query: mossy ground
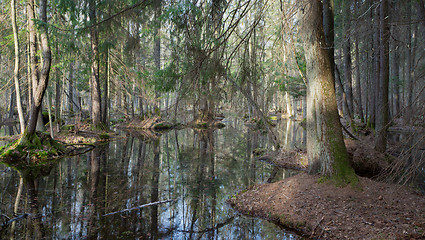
[(32, 154)]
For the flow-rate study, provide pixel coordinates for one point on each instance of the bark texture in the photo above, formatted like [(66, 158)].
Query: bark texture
[(382, 116), (326, 150), (95, 83), (41, 85)]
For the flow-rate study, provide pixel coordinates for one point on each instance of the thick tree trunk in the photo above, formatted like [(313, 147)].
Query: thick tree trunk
[(325, 145), (16, 69), (382, 116), (96, 105), (44, 74)]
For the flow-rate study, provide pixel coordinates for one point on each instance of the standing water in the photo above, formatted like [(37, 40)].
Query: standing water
[(94, 195)]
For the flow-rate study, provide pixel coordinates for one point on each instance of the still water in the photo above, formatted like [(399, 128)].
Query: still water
[(198, 169)]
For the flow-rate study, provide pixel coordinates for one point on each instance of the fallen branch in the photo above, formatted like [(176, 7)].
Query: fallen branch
[(141, 206), (9, 221)]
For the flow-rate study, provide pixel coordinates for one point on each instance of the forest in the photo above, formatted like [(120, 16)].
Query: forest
[(212, 118)]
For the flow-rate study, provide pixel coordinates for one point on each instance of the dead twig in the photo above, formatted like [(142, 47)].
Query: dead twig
[(141, 206), (318, 223)]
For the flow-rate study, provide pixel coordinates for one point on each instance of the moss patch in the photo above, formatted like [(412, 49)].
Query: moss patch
[(33, 148)]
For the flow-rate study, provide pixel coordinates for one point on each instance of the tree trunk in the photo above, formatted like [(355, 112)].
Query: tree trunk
[(358, 77), (395, 64), (347, 57), (71, 88), (328, 27), (45, 71), (16, 69), (105, 104), (157, 52), (96, 105), (382, 116), (325, 145), (409, 67)]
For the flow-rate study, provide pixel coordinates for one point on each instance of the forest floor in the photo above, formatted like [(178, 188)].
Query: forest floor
[(303, 203), (322, 210)]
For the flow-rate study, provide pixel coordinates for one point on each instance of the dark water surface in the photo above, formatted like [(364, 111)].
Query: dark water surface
[(200, 170)]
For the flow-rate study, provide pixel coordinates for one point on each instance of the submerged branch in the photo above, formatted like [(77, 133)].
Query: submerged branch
[(11, 220), (141, 206)]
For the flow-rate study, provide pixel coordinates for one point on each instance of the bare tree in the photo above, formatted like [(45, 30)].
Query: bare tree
[(16, 70)]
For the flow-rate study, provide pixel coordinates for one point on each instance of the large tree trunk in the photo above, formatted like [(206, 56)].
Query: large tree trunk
[(16, 69), (45, 70), (325, 145), (96, 105), (328, 27), (382, 116)]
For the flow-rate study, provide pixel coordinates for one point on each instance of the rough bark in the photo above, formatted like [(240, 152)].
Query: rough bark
[(16, 69), (96, 105), (382, 116), (326, 150), (358, 76)]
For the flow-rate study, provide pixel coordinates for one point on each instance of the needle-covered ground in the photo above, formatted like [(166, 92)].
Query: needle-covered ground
[(321, 210)]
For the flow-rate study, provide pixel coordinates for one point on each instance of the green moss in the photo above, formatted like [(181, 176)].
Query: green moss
[(162, 126), (32, 149), (343, 173), (104, 136), (68, 127)]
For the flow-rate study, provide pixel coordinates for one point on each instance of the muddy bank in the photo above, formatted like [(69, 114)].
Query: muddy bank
[(320, 210)]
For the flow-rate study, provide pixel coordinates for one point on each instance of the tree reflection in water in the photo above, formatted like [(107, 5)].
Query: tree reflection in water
[(201, 169)]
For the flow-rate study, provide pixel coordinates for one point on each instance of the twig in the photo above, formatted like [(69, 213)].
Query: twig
[(141, 206), (314, 229)]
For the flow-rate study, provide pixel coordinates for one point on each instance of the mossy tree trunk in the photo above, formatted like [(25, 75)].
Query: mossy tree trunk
[(326, 150)]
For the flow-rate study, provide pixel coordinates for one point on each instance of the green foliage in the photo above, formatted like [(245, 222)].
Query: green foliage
[(165, 80)]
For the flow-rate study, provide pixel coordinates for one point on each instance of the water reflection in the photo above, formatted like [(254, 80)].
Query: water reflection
[(200, 169)]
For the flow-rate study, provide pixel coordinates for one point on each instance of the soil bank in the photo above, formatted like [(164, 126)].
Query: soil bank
[(324, 211)]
